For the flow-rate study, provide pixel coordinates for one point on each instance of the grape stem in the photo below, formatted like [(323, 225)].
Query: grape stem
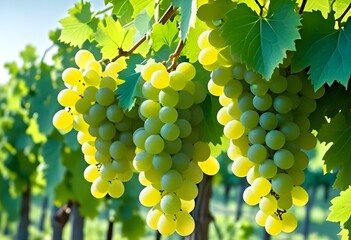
[(339, 19), (303, 5), (260, 6), (173, 58), (166, 16)]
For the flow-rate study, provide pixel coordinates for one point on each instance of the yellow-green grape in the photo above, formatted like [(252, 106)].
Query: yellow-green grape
[(170, 131), (187, 206), (112, 69), (261, 186), (149, 108), (154, 144), (94, 65), (153, 216), (252, 174), (177, 80), (250, 196), (289, 222), (209, 166), (307, 141), (221, 76), (282, 183), (108, 171), (82, 105), (143, 180), (83, 137), (90, 160), (202, 40), (234, 129), (160, 79), (193, 173), (149, 196), (91, 172), (170, 203), (187, 191), (185, 223), (99, 187), (166, 224), (82, 57), (88, 148), (108, 82), (116, 188), (187, 69), (268, 204), (241, 166), (149, 68), (273, 225), (63, 119), (67, 97), (208, 56), (257, 153), (169, 97), (215, 89), (171, 181), (91, 77), (299, 196), (72, 76), (261, 218), (142, 161), (202, 151), (149, 91)]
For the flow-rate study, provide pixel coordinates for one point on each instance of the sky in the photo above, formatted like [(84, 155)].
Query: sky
[(25, 22)]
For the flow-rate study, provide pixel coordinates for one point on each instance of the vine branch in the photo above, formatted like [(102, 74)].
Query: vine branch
[(339, 19), (165, 17), (303, 5), (260, 6), (173, 58)]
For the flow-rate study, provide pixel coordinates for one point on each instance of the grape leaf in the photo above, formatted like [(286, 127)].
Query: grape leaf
[(326, 50), (338, 156), (123, 9), (164, 34), (78, 26), (111, 37), (317, 5), (140, 5), (262, 42), (187, 16), (28, 54), (213, 130), (340, 211), (134, 227), (131, 87)]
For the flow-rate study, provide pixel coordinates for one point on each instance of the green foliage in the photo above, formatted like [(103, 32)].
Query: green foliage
[(340, 211), (164, 35), (187, 16), (325, 49), (262, 42)]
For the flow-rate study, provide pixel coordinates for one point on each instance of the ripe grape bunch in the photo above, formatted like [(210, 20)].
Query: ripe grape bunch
[(268, 125), (104, 129), (170, 157)]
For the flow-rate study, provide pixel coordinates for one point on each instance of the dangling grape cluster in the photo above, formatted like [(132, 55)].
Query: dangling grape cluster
[(268, 127), (170, 156), (104, 129)]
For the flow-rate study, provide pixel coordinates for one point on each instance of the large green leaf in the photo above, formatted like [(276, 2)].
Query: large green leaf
[(187, 16), (324, 49), (78, 26), (123, 9), (262, 42), (111, 37), (164, 34)]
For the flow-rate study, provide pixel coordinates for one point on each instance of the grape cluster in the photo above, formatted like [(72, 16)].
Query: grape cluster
[(105, 131), (268, 125), (170, 157)]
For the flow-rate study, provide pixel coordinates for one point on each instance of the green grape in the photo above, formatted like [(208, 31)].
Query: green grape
[(283, 158), (267, 169), (202, 40), (153, 125), (268, 121), (245, 102), (249, 119), (184, 127), (162, 162), (241, 166), (88, 148), (214, 89), (186, 100), (180, 162), (297, 175), (102, 146), (299, 196), (289, 222), (215, 39), (160, 79), (172, 147), (208, 56), (150, 92), (301, 160), (82, 105), (97, 113), (142, 161), (307, 141), (233, 89), (187, 191), (252, 77), (221, 76), (261, 186), (223, 117), (72, 76), (261, 218), (149, 196), (225, 57), (171, 181), (107, 172), (294, 84), (253, 174), (121, 166), (125, 176), (116, 189), (177, 80), (63, 119), (166, 224), (124, 125), (152, 217), (234, 129), (185, 223), (257, 153), (282, 104), (250, 196), (257, 135), (82, 57), (114, 113), (263, 102), (187, 69), (118, 150), (273, 225), (278, 84), (282, 183), (193, 173), (268, 204), (290, 130), (239, 71), (102, 158), (187, 206), (303, 122), (170, 131), (67, 97), (89, 93), (200, 93), (91, 172), (307, 105), (285, 201), (197, 115), (149, 108), (100, 185), (105, 96), (139, 138), (109, 83), (259, 88), (170, 203), (150, 68), (107, 131), (90, 160), (275, 139), (91, 77), (154, 144), (202, 151), (112, 69)]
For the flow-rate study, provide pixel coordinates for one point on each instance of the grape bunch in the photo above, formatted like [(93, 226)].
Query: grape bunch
[(105, 131), (170, 157), (268, 125)]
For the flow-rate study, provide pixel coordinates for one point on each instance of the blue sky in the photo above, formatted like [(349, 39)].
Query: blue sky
[(25, 22)]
